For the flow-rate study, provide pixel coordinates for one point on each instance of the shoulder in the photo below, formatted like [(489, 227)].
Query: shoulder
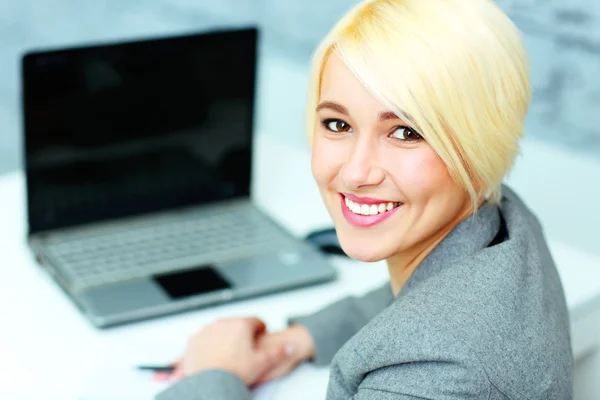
[(411, 352), (498, 314)]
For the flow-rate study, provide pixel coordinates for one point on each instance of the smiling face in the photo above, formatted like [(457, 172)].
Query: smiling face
[(386, 189)]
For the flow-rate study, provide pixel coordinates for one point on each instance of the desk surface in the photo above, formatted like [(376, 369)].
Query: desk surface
[(47, 347)]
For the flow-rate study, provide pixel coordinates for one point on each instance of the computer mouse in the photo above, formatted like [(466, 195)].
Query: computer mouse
[(326, 240)]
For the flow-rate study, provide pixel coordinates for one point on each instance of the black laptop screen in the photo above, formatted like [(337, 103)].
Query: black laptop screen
[(125, 129)]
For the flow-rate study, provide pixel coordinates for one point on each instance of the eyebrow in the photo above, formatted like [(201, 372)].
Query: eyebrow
[(383, 116), (332, 106)]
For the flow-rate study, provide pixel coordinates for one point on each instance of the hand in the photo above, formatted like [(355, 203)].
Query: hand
[(230, 345), (176, 375), (297, 343), (299, 346)]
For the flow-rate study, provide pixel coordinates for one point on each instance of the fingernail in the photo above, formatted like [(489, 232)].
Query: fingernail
[(288, 349)]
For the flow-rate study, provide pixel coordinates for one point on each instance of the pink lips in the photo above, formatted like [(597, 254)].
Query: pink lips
[(364, 200), (364, 221)]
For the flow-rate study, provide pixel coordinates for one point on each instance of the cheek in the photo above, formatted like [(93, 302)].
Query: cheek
[(421, 173), (326, 160)]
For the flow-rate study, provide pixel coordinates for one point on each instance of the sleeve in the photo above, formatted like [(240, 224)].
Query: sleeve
[(334, 325), (444, 379), (208, 385)]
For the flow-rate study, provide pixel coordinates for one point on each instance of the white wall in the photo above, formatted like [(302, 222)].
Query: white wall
[(563, 40), (562, 186)]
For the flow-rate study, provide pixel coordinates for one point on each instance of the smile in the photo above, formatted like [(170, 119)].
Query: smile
[(365, 212)]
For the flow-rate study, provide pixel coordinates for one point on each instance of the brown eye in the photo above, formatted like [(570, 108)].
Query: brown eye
[(405, 134), (337, 125)]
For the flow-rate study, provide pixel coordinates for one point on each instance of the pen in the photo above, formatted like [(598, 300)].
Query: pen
[(156, 368)]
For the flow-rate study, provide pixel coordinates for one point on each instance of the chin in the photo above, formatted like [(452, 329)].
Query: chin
[(365, 253)]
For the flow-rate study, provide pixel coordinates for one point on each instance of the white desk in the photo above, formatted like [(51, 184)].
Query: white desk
[(48, 350)]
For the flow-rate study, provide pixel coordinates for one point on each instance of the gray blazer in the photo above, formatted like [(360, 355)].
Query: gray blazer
[(482, 317)]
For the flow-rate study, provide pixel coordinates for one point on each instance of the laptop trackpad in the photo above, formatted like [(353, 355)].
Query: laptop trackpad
[(122, 297), (191, 282), (135, 295)]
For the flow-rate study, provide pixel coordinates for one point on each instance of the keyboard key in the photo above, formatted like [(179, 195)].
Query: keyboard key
[(148, 249)]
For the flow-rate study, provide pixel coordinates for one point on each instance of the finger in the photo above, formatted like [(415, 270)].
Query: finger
[(262, 340), (161, 376), (178, 372), (282, 368), (176, 363), (273, 374), (270, 358)]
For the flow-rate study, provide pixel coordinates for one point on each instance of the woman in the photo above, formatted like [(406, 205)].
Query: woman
[(415, 111)]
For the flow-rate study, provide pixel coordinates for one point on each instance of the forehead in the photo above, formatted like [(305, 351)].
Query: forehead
[(340, 85)]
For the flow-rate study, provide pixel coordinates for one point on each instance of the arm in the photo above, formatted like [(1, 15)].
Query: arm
[(442, 379), (334, 325), (222, 359), (207, 385)]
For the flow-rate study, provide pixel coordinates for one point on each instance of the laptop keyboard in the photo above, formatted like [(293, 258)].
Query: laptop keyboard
[(190, 240)]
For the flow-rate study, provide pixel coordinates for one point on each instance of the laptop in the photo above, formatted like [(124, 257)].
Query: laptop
[(138, 176)]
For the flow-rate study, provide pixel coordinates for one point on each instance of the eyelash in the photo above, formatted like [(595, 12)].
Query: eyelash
[(327, 121)]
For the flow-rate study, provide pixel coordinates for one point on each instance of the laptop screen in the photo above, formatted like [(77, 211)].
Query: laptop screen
[(125, 129)]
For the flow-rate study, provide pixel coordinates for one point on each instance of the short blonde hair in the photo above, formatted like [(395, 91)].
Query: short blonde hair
[(456, 70)]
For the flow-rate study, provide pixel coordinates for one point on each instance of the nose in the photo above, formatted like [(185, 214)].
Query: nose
[(361, 168)]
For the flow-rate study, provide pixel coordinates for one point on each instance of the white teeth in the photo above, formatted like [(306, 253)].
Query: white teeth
[(366, 209)]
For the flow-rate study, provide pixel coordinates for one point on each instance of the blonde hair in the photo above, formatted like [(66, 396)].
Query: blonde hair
[(456, 70)]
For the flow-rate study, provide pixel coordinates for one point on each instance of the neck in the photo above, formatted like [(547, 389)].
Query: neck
[(402, 265)]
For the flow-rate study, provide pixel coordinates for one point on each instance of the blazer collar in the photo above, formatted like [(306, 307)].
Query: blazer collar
[(470, 236)]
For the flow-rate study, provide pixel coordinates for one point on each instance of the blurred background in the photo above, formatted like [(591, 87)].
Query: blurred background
[(563, 39), (561, 159)]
